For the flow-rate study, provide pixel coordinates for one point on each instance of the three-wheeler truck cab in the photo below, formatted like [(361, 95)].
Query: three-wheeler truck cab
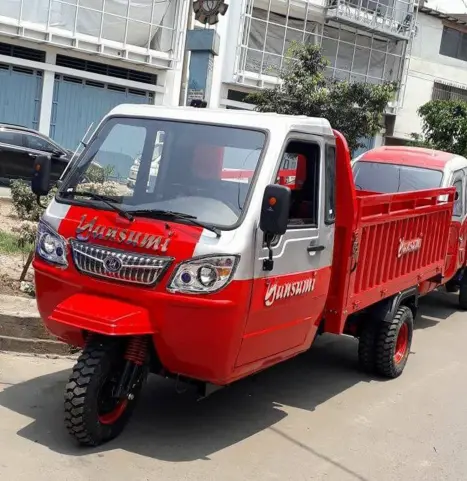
[(207, 276), (403, 168)]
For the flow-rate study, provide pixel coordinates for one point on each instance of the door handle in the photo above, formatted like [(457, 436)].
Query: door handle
[(315, 248), (32, 155)]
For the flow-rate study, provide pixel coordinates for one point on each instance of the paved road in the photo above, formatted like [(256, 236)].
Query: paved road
[(313, 418)]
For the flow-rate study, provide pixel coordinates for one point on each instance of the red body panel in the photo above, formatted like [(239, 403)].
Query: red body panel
[(409, 156)]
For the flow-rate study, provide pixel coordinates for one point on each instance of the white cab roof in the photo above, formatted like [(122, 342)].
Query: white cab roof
[(279, 124)]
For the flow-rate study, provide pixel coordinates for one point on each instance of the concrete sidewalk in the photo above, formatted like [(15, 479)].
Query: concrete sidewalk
[(22, 329)]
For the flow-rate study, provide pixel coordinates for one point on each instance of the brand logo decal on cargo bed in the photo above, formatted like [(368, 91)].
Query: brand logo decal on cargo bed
[(276, 292), (407, 247), (91, 229)]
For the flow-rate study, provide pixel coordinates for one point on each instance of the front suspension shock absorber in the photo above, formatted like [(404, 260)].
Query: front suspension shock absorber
[(135, 357), (136, 350)]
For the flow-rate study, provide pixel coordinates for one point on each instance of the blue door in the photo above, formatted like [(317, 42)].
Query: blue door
[(20, 95), (369, 143), (78, 103)]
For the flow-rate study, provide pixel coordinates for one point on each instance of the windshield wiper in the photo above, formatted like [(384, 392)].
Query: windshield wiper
[(174, 215), (110, 201)]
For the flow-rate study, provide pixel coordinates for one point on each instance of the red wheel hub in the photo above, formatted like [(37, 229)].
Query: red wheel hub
[(114, 415), (402, 343)]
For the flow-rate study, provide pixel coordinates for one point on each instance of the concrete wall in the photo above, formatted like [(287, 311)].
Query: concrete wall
[(426, 66)]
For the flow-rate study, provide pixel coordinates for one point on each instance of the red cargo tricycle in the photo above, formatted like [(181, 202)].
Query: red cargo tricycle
[(234, 245)]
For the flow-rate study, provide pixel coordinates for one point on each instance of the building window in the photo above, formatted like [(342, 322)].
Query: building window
[(453, 44), (147, 24), (448, 92), (353, 54)]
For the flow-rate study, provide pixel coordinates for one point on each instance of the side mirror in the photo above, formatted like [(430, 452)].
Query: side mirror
[(275, 210), (40, 183), (274, 217)]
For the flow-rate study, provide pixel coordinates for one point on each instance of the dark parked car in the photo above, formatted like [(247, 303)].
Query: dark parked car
[(19, 146)]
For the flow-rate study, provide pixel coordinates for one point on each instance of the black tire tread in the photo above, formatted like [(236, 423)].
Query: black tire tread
[(463, 294), (366, 347), (386, 340), (81, 419), (76, 390)]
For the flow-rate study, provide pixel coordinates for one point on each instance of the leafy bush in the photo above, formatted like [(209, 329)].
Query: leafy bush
[(26, 231), (24, 201), (29, 212)]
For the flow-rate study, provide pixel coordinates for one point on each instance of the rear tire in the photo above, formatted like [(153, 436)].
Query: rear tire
[(393, 342), (463, 294), (92, 415), (451, 286), (367, 346)]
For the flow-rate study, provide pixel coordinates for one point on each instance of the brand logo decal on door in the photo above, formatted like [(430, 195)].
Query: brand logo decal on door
[(276, 292), (407, 247)]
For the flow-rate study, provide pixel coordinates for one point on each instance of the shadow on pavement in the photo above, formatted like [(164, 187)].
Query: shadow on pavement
[(176, 427), (435, 308)]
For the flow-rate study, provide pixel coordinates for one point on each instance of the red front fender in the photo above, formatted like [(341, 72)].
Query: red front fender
[(103, 315)]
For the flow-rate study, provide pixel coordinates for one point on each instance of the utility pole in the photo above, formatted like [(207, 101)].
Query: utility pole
[(186, 57)]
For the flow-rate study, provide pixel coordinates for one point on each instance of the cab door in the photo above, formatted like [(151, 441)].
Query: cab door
[(457, 236), (288, 302)]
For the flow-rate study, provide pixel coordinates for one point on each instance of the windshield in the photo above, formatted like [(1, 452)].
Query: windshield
[(389, 178), (148, 164)]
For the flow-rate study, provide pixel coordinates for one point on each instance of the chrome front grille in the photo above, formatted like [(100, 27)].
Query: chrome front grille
[(118, 265)]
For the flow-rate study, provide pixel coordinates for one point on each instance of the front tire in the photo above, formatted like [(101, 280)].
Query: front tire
[(92, 415)]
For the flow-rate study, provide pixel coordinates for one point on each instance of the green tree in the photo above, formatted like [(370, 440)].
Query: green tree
[(355, 109), (444, 126)]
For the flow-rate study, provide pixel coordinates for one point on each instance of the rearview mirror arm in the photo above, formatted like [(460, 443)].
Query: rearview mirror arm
[(268, 264), (38, 202)]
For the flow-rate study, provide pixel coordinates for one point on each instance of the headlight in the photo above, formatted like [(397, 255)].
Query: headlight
[(50, 246), (204, 275)]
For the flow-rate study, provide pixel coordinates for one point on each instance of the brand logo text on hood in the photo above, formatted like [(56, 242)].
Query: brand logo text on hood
[(92, 230)]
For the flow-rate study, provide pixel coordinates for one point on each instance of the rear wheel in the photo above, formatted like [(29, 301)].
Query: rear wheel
[(367, 345), (451, 286), (463, 293), (393, 343), (93, 415)]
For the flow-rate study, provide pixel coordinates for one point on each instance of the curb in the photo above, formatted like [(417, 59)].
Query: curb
[(34, 346), (22, 329)]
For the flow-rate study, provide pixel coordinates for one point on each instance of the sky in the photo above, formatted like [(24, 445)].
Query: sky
[(447, 6)]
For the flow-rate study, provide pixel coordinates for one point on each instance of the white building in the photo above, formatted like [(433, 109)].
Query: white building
[(365, 40), (437, 68), (65, 63)]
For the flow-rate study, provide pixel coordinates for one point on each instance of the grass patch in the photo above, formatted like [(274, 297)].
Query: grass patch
[(9, 244)]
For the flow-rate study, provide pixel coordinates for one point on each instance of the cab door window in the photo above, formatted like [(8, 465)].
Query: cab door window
[(303, 181), (459, 202), (330, 188)]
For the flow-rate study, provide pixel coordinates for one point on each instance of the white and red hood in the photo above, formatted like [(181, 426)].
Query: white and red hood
[(107, 228)]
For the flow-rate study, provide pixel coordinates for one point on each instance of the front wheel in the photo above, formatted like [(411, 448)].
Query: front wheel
[(92, 414)]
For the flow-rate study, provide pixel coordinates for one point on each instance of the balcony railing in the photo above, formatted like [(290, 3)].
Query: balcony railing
[(443, 91), (393, 18), (147, 31)]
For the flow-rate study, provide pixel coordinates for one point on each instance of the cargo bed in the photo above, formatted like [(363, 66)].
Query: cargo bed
[(384, 244)]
